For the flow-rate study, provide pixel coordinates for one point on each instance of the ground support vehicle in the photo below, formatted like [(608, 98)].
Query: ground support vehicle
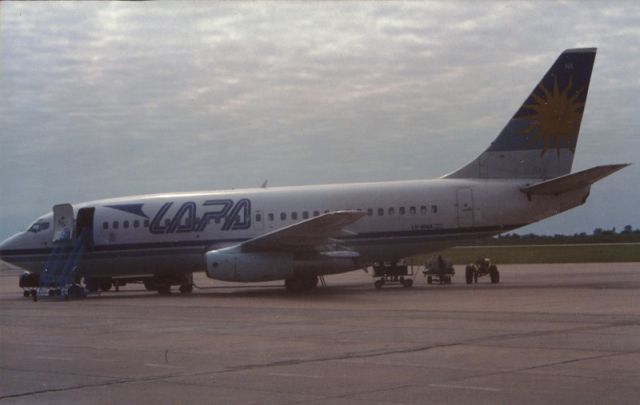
[(392, 273), (482, 267), (439, 271)]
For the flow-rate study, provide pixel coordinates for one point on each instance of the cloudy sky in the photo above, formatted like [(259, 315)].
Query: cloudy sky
[(109, 99)]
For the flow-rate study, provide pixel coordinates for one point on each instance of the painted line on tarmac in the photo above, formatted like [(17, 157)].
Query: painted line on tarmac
[(161, 365), (466, 387), (54, 358), (294, 375)]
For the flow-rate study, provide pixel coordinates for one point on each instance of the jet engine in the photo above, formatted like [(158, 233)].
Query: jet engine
[(232, 265)]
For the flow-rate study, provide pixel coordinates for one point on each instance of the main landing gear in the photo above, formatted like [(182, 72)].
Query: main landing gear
[(301, 283), (162, 284)]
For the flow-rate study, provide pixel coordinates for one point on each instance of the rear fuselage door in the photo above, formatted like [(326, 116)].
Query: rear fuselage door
[(465, 207), (62, 223)]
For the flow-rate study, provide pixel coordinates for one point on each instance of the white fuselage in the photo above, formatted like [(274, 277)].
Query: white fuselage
[(165, 233)]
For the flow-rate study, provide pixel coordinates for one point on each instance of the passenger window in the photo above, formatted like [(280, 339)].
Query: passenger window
[(294, 215), (412, 210), (380, 212), (105, 225), (136, 223), (283, 216), (125, 224), (423, 210), (392, 211), (305, 215), (258, 217), (434, 209), (116, 225), (316, 213), (271, 217), (370, 211), (401, 210)]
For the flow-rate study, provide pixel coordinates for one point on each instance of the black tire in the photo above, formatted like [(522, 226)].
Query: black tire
[(92, 284), (494, 274), (105, 284), (429, 280), (298, 284), (26, 294), (164, 289), (407, 283), (75, 291), (468, 274), (148, 284), (186, 288), (52, 293), (378, 284)]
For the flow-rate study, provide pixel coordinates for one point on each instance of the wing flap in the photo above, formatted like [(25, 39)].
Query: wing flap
[(573, 181), (304, 235)]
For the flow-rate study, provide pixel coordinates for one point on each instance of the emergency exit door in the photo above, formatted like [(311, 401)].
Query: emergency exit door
[(465, 207)]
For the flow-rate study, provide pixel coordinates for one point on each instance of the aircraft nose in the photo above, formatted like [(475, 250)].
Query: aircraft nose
[(10, 244)]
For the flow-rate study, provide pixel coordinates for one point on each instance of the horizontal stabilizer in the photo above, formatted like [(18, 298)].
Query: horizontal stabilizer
[(573, 181)]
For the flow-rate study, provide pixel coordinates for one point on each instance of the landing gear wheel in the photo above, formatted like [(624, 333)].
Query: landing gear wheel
[(378, 284), (164, 289), (105, 285), (26, 294), (148, 284), (429, 280), (52, 293), (186, 288), (92, 284), (407, 283), (301, 283)]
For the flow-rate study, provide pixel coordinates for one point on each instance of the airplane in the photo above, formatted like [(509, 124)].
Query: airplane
[(297, 234)]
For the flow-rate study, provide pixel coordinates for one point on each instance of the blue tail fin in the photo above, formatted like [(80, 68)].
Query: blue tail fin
[(540, 139)]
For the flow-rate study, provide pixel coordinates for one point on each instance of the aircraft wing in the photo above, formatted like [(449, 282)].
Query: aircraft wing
[(573, 181), (304, 235)]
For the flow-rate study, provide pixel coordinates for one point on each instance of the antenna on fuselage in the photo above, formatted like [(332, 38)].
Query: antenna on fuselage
[(264, 185)]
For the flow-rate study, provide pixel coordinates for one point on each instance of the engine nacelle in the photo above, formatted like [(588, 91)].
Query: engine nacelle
[(231, 265)]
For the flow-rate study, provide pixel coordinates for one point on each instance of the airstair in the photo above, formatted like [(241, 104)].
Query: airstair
[(59, 275)]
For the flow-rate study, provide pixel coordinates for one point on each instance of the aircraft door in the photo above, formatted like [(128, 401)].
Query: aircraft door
[(465, 207), (62, 223), (84, 226)]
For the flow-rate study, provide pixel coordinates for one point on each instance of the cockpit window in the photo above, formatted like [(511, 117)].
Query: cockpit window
[(38, 226)]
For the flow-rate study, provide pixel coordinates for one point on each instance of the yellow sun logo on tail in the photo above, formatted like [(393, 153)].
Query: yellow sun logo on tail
[(556, 116)]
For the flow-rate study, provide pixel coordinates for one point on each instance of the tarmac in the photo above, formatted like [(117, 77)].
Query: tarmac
[(545, 334)]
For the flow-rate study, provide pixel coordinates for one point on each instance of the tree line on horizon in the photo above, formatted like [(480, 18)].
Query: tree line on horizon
[(627, 234)]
